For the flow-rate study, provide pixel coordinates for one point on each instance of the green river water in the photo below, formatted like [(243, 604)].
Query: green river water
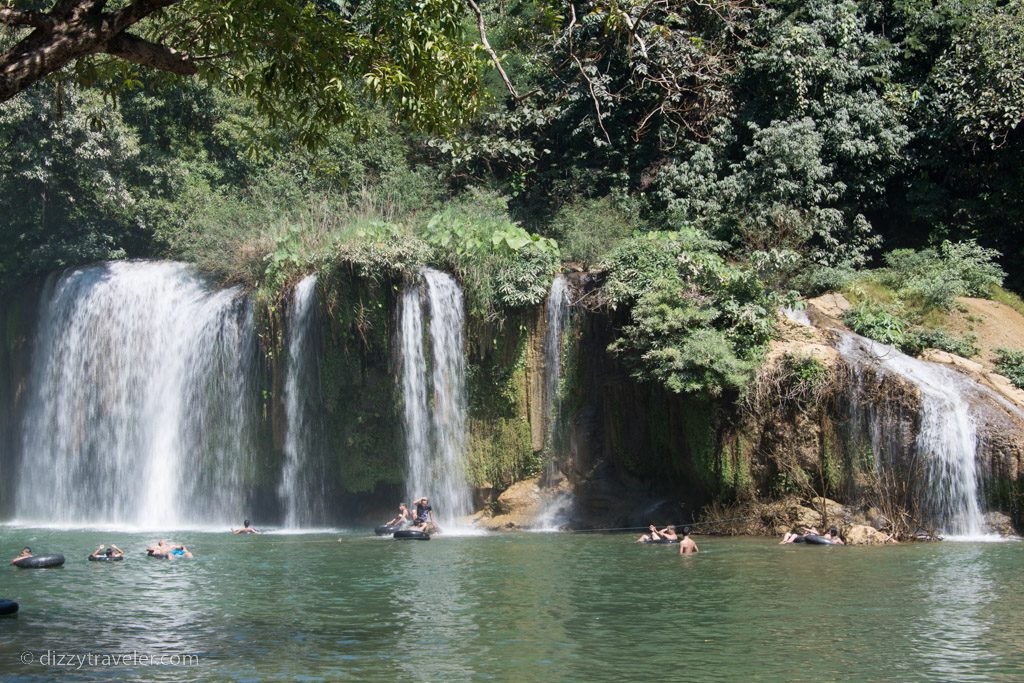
[(516, 607)]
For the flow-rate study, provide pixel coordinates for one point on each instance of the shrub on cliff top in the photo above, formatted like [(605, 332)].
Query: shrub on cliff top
[(935, 277), (697, 323), (500, 264)]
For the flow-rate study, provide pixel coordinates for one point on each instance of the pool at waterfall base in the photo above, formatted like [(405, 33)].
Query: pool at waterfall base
[(348, 605)]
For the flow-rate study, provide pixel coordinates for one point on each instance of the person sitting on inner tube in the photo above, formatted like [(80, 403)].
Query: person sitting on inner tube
[(180, 551), (402, 519), (111, 552), (161, 550), (666, 534), (424, 518), (794, 537), (247, 528), (25, 552)]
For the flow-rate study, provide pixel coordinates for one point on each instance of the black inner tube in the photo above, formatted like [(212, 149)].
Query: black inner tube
[(40, 561), (8, 607), (814, 539), (412, 535), (106, 558)]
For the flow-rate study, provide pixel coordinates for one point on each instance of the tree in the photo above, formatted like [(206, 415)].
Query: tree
[(303, 61), (611, 90), (64, 198), (810, 147)]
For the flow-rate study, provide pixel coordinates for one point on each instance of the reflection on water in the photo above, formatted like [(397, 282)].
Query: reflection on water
[(521, 607), (957, 596)]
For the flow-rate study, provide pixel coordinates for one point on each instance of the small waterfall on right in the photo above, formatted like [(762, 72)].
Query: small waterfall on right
[(946, 439), (435, 421), (302, 479)]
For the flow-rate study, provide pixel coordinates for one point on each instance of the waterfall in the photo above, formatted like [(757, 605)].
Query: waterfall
[(797, 315), (556, 311), (302, 479), (140, 400), (435, 427), (946, 439)]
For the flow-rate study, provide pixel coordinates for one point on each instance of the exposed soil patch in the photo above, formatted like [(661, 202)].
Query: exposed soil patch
[(994, 324)]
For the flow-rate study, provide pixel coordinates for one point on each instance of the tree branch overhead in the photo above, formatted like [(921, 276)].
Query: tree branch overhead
[(77, 28)]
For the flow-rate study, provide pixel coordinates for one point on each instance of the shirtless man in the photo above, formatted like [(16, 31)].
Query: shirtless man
[(402, 519), (25, 552), (247, 528), (833, 535), (161, 550), (687, 546)]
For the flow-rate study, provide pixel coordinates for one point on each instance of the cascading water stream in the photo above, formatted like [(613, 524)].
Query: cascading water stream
[(302, 479), (140, 400), (946, 440), (559, 504), (435, 426), (556, 312)]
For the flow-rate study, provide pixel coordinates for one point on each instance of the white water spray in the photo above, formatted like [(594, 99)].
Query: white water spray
[(947, 440), (140, 403), (302, 479), (556, 312), (436, 426)]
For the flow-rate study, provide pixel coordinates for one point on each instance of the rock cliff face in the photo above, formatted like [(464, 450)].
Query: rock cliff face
[(817, 423)]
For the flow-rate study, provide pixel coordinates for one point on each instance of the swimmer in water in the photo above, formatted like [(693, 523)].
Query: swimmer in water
[(110, 553), (247, 528), (25, 552)]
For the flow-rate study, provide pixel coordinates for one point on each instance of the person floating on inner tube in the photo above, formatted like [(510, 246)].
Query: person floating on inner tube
[(794, 537), (666, 534), (833, 535), (25, 552), (402, 519), (247, 528), (423, 520), (180, 551), (686, 545), (160, 551), (111, 552)]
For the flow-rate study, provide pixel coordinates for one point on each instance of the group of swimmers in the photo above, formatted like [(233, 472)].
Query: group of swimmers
[(421, 520), (162, 550), (669, 535)]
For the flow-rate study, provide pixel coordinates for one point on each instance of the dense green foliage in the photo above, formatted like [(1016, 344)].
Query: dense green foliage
[(502, 265), (700, 159), (936, 277), (306, 63), (697, 323)]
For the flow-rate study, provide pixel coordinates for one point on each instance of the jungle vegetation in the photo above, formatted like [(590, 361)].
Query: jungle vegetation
[(703, 160)]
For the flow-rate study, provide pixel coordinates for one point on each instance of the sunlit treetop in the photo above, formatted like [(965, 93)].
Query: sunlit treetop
[(303, 62)]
